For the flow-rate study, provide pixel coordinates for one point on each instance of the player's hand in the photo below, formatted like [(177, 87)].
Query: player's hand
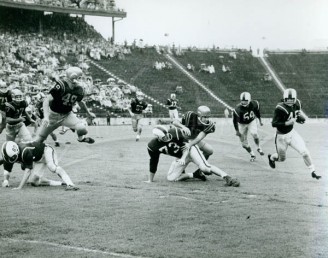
[(238, 133), (45, 122), (186, 131), (22, 119), (290, 121), (186, 147), (181, 161)]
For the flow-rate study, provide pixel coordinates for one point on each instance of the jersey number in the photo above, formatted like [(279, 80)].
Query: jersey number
[(249, 115), (69, 99), (172, 145)]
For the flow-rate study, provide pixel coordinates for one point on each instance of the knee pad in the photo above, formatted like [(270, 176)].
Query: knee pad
[(245, 146), (282, 157), (81, 129), (53, 168)]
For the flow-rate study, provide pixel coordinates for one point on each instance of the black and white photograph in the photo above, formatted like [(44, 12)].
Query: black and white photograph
[(164, 128)]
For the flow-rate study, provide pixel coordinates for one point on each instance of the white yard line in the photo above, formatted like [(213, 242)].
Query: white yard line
[(81, 249)]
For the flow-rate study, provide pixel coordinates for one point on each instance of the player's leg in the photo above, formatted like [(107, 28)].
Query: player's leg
[(252, 127), (175, 172), (24, 134), (298, 144), (281, 142), (2, 121), (73, 122), (54, 137), (37, 178), (243, 129), (51, 161), (55, 121), (140, 125), (206, 148), (11, 132)]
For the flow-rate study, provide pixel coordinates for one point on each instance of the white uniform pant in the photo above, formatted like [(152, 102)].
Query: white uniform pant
[(173, 113), (292, 139), (244, 129), (195, 156)]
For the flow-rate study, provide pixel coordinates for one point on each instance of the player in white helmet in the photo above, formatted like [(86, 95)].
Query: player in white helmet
[(286, 115), (136, 110), (244, 121)]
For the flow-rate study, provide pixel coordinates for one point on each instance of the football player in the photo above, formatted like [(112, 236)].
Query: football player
[(197, 126), (33, 156), (15, 116), (57, 107), (39, 113), (5, 96), (136, 110), (244, 121), (173, 142), (172, 105), (286, 114)]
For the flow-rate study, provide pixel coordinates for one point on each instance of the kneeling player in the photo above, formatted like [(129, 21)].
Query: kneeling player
[(172, 142), (32, 155)]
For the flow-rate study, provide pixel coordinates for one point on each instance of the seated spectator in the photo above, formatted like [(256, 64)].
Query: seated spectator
[(190, 67)]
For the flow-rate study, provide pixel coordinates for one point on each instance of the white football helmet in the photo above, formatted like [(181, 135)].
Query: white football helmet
[(74, 74), (139, 95), (10, 151), (173, 96), (290, 96), (162, 133), (17, 95), (3, 87), (204, 113), (245, 98)]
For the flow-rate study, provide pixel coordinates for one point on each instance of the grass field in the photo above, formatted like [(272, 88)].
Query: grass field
[(274, 213)]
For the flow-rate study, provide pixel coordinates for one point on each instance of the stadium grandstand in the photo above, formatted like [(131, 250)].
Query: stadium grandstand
[(39, 39)]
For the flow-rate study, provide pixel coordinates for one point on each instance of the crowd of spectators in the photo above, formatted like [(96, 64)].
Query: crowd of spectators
[(99, 5), (31, 61)]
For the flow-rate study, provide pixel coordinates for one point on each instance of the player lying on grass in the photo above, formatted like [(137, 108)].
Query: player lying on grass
[(172, 142), (33, 156)]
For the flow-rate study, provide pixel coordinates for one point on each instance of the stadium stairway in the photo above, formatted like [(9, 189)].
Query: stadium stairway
[(275, 77), (210, 93)]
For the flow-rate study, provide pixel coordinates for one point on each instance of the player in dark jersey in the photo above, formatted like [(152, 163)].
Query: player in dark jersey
[(172, 105), (5, 96), (39, 113), (15, 116), (57, 107), (173, 142), (286, 114), (197, 126), (244, 120), (136, 110), (32, 156)]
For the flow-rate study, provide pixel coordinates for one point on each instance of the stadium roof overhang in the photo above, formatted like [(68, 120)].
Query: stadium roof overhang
[(56, 9)]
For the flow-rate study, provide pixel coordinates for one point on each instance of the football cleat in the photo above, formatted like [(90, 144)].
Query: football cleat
[(259, 150), (57, 144), (5, 183), (137, 138), (71, 188), (87, 140), (314, 175), (272, 163), (199, 174), (231, 181), (252, 158)]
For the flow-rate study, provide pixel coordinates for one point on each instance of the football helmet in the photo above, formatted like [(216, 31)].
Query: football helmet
[(162, 133), (74, 74), (3, 87), (245, 98), (204, 113), (290, 96), (139, 95), (17, 95), (173, 96), (10, 151)]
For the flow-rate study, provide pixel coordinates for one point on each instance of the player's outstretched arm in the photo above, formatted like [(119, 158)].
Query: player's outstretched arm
[(26, 175)]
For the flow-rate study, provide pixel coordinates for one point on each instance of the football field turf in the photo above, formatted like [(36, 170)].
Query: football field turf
[(274, 213)]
